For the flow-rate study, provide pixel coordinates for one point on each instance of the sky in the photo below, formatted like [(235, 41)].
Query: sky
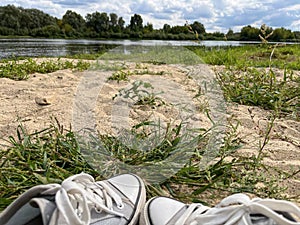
[(215, 15)]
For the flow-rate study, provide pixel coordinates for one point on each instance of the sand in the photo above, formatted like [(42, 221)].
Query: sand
[(60, 95)]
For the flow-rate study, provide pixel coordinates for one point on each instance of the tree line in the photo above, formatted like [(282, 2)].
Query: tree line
[(18, 21)]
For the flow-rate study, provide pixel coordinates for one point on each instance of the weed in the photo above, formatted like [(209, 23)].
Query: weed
[(241, 57), (258, 87), (266, 32), (147, 71), (20, 70), (120, 76), (109, 66), (154, 62), (47, 156), (53, 154), (229, 172), (136, 156), (140, 95), (140, 66)]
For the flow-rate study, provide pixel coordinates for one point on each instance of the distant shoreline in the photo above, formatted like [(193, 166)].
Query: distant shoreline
[(292, 41)]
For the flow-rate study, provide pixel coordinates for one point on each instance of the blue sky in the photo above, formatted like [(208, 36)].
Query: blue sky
[(216, 15)]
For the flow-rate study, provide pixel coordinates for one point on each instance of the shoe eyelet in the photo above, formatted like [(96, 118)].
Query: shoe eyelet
[(98, 210), (120, 206)]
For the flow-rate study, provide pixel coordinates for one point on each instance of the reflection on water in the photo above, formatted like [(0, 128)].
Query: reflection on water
[(60, 47), (47, 47)]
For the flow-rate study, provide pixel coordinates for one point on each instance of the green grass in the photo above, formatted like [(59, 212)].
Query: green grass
[(249, 76), (257, 87), (123, 73), (158, 55), (120, 75), (53, 154), (20, 70), (141, 93), (283, 57), (49, 155)]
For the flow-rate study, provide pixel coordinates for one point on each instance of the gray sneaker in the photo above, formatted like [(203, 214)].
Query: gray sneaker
[(236, 209), (79, 200)]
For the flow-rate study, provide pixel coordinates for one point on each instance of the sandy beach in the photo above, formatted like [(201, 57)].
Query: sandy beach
[(35, 101)]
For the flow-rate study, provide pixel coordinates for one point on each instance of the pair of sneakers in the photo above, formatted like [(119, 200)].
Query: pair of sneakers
[(120, 200)]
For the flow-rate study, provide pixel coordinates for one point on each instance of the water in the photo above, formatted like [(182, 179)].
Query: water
[(60, 47)]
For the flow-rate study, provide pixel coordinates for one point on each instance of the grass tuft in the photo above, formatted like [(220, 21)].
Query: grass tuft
[(53, 154), (259, 87), (21, 70), (47, 156)]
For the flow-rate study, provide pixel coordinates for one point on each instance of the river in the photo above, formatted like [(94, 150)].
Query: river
[(28, 47)]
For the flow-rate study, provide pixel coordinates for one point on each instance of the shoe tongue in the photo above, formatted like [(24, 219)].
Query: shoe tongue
[(45, 206)]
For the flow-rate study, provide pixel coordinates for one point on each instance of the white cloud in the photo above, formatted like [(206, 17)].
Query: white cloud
[(294, 7), (216, 15)]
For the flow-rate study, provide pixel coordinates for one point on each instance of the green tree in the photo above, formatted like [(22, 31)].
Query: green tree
[(167, 28), (93, 21), (249, 33), (136, 23), (47, 31), (75, 20), (6, 31), (282, 34), (116, 24), (297, 35), (199, 27), (23, 21), (113, 19), (218, 34), (10, 17), (148, 28), (229, 33), (104, 22), (68, 30), (121, 23), (40, 19), (179, 30)]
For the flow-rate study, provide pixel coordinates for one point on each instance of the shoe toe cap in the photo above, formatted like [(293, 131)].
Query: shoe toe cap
[(129, 185), (162, 209)]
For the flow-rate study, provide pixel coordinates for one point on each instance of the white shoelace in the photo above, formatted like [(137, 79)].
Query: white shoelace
[(236, 210), (78, 195)]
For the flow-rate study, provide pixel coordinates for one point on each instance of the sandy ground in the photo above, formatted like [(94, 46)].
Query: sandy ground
[(69, 96)]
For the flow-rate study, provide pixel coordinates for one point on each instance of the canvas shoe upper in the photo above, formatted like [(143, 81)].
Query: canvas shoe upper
[(79, 200), (236, 209)]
